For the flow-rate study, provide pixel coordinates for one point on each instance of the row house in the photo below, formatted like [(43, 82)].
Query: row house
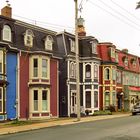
[(119, 77), (29, 81), (88, 70)]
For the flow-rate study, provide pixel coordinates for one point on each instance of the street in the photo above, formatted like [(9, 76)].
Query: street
[(125, 128)]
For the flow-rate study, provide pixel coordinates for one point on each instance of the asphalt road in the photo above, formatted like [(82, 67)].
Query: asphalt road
[(125, 128)]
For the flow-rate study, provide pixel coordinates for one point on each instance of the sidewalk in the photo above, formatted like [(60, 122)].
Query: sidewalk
[(8, 129)]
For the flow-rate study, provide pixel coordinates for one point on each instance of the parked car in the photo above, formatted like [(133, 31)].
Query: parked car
[(136, 108)]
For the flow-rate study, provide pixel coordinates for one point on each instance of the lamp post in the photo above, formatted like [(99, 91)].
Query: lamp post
[(77, 62)]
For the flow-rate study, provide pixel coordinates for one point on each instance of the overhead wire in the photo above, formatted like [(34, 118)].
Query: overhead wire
[(120, 14), (115, 16), (125, 10)]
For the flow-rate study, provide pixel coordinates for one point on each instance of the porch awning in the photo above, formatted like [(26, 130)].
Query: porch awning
[(134, 88)]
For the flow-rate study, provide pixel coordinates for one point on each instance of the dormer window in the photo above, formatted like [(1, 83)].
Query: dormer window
[(72, 45), (94, 47), (133, 62), (48, 42), (7, 34), (112, 52), (126, 62), (116, 57), (28, 38)]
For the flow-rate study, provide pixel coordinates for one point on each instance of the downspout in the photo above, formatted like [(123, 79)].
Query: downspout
[(18, 87)]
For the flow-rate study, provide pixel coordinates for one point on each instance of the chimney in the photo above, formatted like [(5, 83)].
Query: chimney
[(81, 28), (7, 10)]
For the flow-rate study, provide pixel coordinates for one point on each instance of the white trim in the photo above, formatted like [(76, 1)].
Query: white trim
[(64, 43), (18, 86), (68, 86)]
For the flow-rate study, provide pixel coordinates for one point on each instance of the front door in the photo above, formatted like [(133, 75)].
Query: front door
[(73, 103)]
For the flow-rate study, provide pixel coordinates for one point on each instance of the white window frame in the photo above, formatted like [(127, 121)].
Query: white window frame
[(35, 68), (39, 58), (72, 70), (72, 45), (28, 38), (40, 100), (107, 101), (94, 47), (45, 67), (7, 33), (87, 73), (49, 42), (96, 69), (107, 74)]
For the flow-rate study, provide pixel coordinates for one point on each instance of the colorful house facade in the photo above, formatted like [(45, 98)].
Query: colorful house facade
[(89, 74), (29, 70), (119, 77)]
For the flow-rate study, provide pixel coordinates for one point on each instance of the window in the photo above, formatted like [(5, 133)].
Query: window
[(113, 98), (7, 34), (95, 71), (95, 98), (119, 77), (107, 99), (107, 74), (72, 45), (113, 74), (28, 38), (72, 70), (116, 57), (35, 67), (88, 71), (48, 42), (94, 46), (35, 100), (112, 52), (44, 101), (44, 68), (40, 100), (88, 99), (126, 62)]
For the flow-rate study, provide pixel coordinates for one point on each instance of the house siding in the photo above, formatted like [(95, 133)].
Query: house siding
[(11, 88), (54, 87), (24, 90)]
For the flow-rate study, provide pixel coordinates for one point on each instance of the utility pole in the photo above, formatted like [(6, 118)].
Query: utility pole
[(138, 5), (77, 62)]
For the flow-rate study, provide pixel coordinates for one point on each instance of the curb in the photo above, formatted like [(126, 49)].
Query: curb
[(31, 127)]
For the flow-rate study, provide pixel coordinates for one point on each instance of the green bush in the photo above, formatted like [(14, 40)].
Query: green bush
[(102, 112)]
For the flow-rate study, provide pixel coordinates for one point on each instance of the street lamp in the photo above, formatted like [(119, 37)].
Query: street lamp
[(77, 62)]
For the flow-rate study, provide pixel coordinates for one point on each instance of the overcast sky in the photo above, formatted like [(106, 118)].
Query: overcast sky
[(114, 21)]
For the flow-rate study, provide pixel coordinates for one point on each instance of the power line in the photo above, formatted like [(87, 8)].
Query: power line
[(124, 10), (119, 13), (36, 22), (115, 16)]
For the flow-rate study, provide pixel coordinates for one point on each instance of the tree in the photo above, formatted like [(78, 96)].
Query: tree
[(138, 5)]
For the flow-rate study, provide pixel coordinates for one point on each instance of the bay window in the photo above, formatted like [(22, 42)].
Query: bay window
[(1, 101), (44, 67), (88, 71), (35, 67)]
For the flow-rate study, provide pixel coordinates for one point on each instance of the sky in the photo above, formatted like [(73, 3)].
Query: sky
[(115, 21)]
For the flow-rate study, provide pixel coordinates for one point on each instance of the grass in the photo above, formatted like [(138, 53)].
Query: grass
[(102, 112)]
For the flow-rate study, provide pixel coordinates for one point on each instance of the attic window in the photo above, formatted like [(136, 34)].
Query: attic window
[(72, 45), (48, 42), (126, 61), (7, 35), (112, 52), (94, 47), (133, 62), (28, 38)]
